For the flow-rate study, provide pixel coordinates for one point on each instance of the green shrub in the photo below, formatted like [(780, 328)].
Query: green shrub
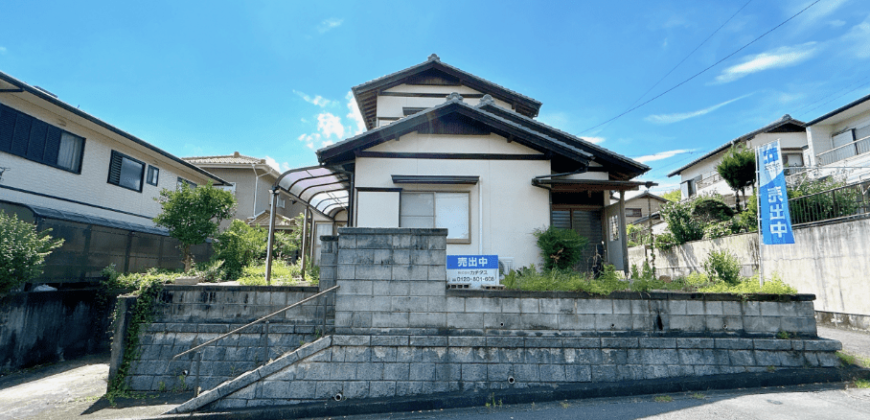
[(22, 251), (561, 248), (282, 274), (211, 272), (239, 246), (737, 168), (822, 206), (718, 230), (681, 223), (709, 210), (750, 285), (724, 266), (665, 241), (747, 221)]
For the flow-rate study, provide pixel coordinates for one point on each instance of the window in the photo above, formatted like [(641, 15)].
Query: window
[(633, 212), (438, 210), (36, 140), (126, 172), (153, 175), (614, 228), (181, 181)]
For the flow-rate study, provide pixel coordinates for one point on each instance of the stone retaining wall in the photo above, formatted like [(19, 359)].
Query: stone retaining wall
[(186, 316), (399, 332)]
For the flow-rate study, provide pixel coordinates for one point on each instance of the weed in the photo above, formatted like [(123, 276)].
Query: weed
[(847, 359), (785, 335), (698, 396), (862, 383), (161, 387), (664, 398), (499, 403), (771, 369), (564, 404)]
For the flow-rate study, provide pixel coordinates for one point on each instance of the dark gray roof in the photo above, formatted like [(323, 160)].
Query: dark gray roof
[(44, 95), (839, 110), (95, 220), (366, 93), (344, 149), (647, 194), (602, 155), (778, 126)]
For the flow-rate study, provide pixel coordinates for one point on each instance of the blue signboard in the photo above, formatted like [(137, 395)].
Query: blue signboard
[(772, 196), (472, 271)]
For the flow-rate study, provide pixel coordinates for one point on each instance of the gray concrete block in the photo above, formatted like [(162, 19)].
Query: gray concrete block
[(382, 257), (694, 323), (770, 308), (528, 306), (614, 356), (827, 359), (355, 287), (373, 272), (655, 372), (619, 342), (436, 304), (397, 371), (358, 354), (583, 356), (714, 308), (577, 322), (604, 373), (764, 324), (478, 304), (578, 373), (351, 340), (422, 372), (751, 308), (658, 342), (326, 389), (427, 320), (792, 359), (543, 356), (741, 357), (526, 373), (694, 307), (676, 307), (581, 342), (428, 341), (680, 370), (539, 321), (401, 241), (465, 320), (345, 272), (428, 288), (660, 357), (474, 372), (629, 372), (438, 272), (768, 358), (621, 307), (465, 341), (695, 343), (696, 356), (552, 373), (596, 306), (822, 345), (543, 342), (613, 322), (380, 389), (429, 355), (771, 344), (369, 371), (408, 303), (510, 342)]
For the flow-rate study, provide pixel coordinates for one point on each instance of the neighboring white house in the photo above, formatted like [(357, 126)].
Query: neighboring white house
[(841, 139), (93, 183), (251, 180), (445, 148), (699, 177)]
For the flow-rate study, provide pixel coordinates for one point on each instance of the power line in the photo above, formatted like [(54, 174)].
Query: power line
[(693, 51), (834, 99), (704, 70)]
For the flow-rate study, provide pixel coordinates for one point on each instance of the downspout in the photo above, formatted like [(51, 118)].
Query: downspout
[(480, 217)]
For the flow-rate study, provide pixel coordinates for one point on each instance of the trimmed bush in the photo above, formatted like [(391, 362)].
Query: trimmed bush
[(561, 248)]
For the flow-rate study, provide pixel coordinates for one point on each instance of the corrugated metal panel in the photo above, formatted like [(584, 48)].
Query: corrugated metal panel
[(588, 225), (562, 219)]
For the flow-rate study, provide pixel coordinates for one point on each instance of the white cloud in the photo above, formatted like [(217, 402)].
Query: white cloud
[(329, 125), (329, 24), (594, 140), (672, 118), (354, 115), (316, 100), (310, 140), (280, 167), (2, 49), (836, 23), (858, 38), (778, 58), (662, 155)]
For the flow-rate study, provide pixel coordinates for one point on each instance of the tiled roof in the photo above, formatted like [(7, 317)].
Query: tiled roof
[(233, 159)]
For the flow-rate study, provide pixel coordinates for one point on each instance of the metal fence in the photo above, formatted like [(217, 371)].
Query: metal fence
[(850, 201), (845, 151)]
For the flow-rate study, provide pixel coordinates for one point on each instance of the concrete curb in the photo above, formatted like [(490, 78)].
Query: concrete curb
[(783, 377), (250, 377)]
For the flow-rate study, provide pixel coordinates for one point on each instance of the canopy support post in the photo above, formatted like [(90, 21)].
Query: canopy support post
[(304, 239), (273, 205), (622, 232)]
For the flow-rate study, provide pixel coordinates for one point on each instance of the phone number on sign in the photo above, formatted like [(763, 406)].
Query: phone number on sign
[(473, 279)]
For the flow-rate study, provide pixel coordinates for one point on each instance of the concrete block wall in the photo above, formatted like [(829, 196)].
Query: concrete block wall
[(187, 316)]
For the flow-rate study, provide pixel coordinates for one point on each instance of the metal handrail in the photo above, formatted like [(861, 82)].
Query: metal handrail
[(256, 322), (854, 143)]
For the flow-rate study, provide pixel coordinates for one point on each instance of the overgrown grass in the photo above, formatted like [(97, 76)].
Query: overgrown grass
[(529, 279), (852, 360), (283, 274), (862, 383)]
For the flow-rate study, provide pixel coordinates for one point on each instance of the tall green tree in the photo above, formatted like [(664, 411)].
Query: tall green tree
[(674, 195), (738, 170), (193, 214)]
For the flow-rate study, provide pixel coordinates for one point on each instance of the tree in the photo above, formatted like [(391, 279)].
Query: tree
[(22, 251), (674, 195), (239, 246), (193, 214), (738, 170)]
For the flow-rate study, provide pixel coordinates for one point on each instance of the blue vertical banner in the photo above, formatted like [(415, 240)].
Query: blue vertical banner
[(773, 196)]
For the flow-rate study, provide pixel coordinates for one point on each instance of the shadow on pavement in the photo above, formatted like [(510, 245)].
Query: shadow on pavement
[(140, 400), (43, 371)]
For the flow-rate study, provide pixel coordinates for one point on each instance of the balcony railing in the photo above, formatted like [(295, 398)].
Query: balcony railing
[(854, 148), (850, 201)]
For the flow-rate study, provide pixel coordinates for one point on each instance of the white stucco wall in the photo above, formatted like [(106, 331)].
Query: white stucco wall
[(391, 106), (512, 207), (91, 185)]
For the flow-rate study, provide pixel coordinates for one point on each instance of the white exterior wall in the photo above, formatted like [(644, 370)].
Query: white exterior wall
[(512, 207), (822, 140), (391, 106), (91, 185)]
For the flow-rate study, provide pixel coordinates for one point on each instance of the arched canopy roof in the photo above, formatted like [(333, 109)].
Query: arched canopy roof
[(323, 188)]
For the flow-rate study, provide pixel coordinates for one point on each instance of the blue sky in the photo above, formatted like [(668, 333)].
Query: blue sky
[(273, 78)]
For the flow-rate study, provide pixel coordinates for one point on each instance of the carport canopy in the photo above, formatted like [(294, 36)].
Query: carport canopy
[(322, 188)]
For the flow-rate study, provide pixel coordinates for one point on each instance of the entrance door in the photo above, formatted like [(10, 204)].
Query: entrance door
[(587, 223), (613, 236)]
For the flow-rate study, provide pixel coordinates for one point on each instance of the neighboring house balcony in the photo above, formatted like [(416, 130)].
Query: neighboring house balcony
[(847, 151)]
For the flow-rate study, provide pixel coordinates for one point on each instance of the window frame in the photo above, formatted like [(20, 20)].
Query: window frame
[(189, 183), (434, 211), (637, 210), (42, 161), (141, 174), (148, 175)]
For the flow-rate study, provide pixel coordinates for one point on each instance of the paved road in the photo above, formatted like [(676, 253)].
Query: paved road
[(792, 403)]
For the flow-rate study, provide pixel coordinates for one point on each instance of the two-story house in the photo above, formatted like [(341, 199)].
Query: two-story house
[(699, 177), (841, 139), (92, 183), (448, 149), (251, 180)]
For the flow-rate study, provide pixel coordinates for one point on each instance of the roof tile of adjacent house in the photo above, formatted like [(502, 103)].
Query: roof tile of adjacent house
[(235, 158), (780, 125)]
